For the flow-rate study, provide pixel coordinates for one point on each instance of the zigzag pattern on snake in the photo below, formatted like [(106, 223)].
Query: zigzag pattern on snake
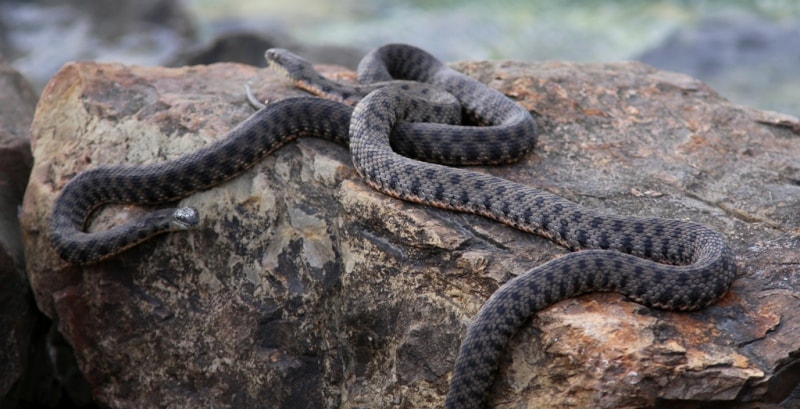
[(658, 262)]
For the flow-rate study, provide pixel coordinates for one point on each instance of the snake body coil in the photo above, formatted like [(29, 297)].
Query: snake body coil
[(658, 262)]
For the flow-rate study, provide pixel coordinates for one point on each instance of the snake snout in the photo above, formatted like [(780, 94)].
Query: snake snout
[(283, 58), (290, 64), (272, 54), (186, 217)]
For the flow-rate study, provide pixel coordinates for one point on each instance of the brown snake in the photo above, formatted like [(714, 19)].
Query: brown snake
[(661, 263)]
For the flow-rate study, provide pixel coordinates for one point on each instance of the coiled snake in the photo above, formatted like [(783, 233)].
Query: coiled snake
[(658, 262)]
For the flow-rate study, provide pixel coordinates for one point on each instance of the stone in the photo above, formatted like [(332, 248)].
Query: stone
[(37, 366), (147, 32), (727, 50), (247, 46), (303, 287), (17, 312), (15, 166)]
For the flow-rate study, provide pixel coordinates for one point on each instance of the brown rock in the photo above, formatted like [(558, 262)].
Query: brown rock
[(305, 288)]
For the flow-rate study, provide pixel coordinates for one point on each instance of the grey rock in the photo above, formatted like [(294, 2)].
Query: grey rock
[(17, 313), (755, 61), (248, 47), (37, 367), (147, 32)]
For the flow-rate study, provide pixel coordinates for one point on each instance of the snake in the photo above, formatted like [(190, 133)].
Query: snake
[(408, 140)]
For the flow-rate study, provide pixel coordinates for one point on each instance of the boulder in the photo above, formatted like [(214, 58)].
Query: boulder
[(38, 37), (17, 312), (246, 46), (303, 287), (730, 50)]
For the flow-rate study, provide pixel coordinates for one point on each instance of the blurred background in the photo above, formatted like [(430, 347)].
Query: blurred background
[(748, 50)]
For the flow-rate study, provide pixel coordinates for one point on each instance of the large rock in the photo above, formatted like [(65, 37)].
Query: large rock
[(754, 60), (305, 288), (248, 47), (38, 37), (17, 313)]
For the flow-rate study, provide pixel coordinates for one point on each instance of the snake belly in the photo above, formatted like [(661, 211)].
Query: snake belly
[(661, 263)]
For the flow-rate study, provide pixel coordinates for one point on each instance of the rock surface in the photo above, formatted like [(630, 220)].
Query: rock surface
[(248, 48), (305, 288), (147, 32), (726, 51), (17, 312)]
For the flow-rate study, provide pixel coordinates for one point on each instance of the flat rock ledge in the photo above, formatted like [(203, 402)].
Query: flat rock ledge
[(304, 288)]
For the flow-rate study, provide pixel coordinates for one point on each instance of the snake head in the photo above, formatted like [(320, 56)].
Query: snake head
[(304, 76), (185, 218), (289, 64)]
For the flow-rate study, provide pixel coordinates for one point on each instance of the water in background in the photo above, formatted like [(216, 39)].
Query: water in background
[(747, 50)]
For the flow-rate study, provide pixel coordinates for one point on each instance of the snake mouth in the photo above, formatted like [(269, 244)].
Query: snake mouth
[(272, 56), (287, 63)]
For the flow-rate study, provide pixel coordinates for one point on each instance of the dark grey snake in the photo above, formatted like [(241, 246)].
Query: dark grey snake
[(661, 263)]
